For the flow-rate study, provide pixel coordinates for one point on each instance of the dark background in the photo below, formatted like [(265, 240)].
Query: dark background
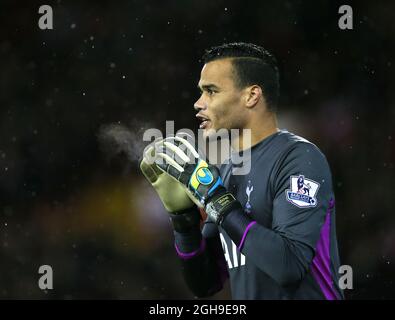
[(69, 201)]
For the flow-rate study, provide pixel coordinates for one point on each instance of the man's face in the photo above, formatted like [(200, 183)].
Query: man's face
[(220, 105)]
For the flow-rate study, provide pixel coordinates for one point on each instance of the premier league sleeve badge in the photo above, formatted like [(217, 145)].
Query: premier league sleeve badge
[(303, 192)]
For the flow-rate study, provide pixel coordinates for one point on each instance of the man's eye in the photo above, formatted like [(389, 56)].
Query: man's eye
[(210, 92)]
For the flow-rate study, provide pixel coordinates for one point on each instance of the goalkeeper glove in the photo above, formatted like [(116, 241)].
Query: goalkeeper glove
[(178, 158), (173, 195)]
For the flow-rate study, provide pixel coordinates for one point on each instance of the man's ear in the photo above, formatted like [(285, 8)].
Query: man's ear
[(253, 95)]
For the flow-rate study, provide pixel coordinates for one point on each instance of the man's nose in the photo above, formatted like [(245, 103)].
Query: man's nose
[(200, 105)]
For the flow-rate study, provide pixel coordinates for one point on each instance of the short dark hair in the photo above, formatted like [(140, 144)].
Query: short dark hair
[(253, 65)]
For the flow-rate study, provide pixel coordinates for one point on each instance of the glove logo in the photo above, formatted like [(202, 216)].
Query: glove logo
[(204, 176), (303, 192)]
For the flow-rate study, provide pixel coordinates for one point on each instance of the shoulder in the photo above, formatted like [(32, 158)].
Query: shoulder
[(296, 148), (299, 157)]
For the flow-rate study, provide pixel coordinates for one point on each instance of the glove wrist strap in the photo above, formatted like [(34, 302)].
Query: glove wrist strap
[(219, 207), (186, 220)]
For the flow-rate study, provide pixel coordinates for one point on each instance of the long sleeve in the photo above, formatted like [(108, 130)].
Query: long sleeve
[(202, 259)]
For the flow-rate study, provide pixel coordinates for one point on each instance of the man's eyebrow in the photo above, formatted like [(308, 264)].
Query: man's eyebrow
[(208, 86)]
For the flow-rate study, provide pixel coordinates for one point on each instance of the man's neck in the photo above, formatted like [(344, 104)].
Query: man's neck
[(258, 131)]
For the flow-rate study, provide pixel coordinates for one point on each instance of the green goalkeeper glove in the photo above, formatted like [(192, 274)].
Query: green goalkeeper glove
[(175, 197), (172, 194), (179, 159)]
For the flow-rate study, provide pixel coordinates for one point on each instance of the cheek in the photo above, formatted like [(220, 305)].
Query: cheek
[(229, 112), (220, 112)]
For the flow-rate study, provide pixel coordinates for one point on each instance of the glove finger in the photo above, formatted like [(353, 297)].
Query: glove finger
[(167, 164), (177, 151), (187, 137), (150, 171), (173, 152), (149, 154), (188, 146), (185, 143), (150, 150), (173, 170)]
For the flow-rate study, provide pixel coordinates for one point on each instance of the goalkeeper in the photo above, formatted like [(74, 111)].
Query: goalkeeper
[(271, 231)]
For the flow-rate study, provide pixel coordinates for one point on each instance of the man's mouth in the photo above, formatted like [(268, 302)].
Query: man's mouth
[(205, 121), (204, 124)]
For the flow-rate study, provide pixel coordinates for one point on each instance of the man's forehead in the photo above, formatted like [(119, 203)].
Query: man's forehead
[(217, 70)]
